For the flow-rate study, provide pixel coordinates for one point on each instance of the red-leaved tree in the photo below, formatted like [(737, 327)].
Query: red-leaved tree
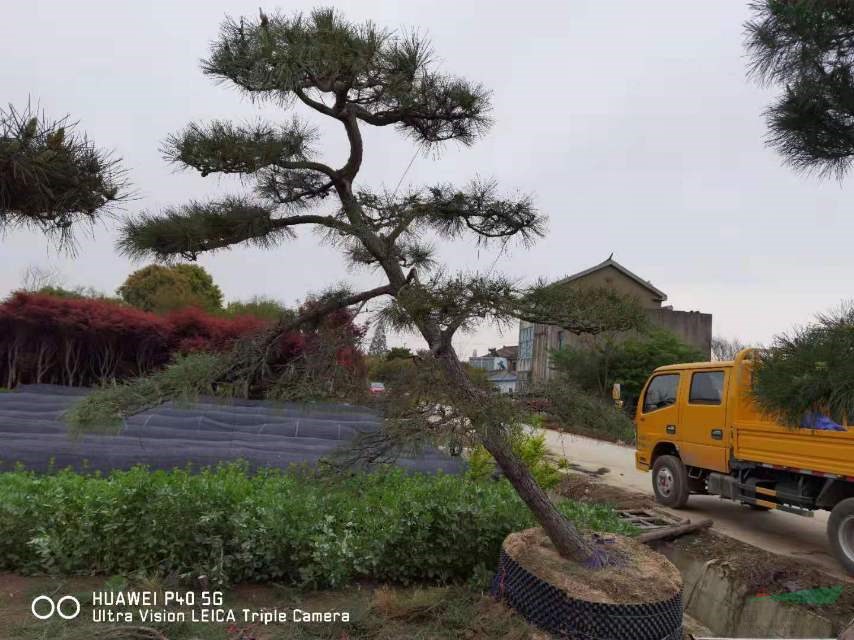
[(83, 342)]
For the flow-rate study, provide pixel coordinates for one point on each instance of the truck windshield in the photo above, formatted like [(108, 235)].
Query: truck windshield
[(661, 392)]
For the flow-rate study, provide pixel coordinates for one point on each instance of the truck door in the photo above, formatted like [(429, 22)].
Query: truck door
[(704, 436), (658, 418)]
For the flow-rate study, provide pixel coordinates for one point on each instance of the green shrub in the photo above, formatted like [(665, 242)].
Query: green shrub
[(273, 526), (585, 413), (628, 361), (391, 372), (530, 447)]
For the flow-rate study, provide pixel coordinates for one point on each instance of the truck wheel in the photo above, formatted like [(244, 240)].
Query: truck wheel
[(670, 482), (840, 532)]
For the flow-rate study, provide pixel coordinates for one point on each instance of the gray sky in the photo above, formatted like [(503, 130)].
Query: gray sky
[(632, 124)]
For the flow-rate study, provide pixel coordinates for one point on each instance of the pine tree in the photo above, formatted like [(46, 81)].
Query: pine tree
[(52, 178), (379, 346), (807, 48), (358, 76), (809, 370)]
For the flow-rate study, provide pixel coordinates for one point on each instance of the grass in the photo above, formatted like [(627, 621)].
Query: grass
[(376, 612), (577, 411)]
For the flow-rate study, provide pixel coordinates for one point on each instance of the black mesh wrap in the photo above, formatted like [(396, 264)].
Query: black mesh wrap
[(552, 610)]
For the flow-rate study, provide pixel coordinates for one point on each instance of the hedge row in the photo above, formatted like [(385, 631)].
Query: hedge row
[(285, 527), (84, 341)]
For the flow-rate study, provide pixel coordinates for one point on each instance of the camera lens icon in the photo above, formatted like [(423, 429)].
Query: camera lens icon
[(67, 607)]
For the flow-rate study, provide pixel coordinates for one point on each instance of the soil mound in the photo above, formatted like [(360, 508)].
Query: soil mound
[(635, 573)]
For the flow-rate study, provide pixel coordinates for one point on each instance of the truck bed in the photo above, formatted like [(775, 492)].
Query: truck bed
[(820, 452)]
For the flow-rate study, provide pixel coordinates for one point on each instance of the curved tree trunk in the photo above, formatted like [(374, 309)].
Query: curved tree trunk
[(566, 538)]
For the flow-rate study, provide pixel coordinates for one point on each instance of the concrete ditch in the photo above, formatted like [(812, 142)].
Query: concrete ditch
[(728, 609), (723, 578)]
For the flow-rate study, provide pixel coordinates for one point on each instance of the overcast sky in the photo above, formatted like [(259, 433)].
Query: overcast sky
[(631, 123)]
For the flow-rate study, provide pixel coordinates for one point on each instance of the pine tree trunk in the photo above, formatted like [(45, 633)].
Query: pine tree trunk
[(566, 538)]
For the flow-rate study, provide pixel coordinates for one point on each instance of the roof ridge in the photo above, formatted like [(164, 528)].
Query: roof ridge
[(610, 262)]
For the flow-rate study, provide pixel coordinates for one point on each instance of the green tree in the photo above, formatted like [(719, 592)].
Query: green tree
[(51, 177), (807, 48), (77, 292), (259, 307), (398, 353), (379, 346), (160, 288), (627, 361), (358, 76)]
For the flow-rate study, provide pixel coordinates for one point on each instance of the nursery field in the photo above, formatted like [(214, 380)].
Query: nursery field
[(201, 431), (232, 526), (405, 555)]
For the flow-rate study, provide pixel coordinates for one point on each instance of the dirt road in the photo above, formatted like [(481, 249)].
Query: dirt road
[(783, 533)]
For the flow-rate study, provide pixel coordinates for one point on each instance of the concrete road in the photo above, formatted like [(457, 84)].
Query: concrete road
[(783, 533)]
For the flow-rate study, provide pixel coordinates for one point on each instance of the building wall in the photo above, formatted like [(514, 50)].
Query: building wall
[(537, 340), (692, 327)]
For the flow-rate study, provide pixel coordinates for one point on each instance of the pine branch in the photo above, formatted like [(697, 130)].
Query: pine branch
[(249, 363), (197, 227), (812, 125), (461, 302), (379, 77), (807, 47), (579, 310), (52, 178), (223, 147), (478, 209)]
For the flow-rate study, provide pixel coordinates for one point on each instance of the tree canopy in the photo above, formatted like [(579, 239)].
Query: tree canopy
[(809, 370), (625, 360), (259, 307), (361, 75), (52, 177), (807, 48), (161, 289)]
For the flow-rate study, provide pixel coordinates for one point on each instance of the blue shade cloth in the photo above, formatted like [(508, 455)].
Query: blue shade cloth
[(820, 422), (201, 433)]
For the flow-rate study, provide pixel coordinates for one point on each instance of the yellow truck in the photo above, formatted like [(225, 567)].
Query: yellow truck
[(698, 431)]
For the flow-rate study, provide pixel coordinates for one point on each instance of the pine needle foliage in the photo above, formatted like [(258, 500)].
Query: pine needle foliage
[(361, 75), (809, 370), (807, 48), (185, 379), (187, 230), (52, 177)]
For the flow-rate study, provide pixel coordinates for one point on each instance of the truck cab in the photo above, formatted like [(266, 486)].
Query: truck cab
[(699, 431), (683, 411)]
